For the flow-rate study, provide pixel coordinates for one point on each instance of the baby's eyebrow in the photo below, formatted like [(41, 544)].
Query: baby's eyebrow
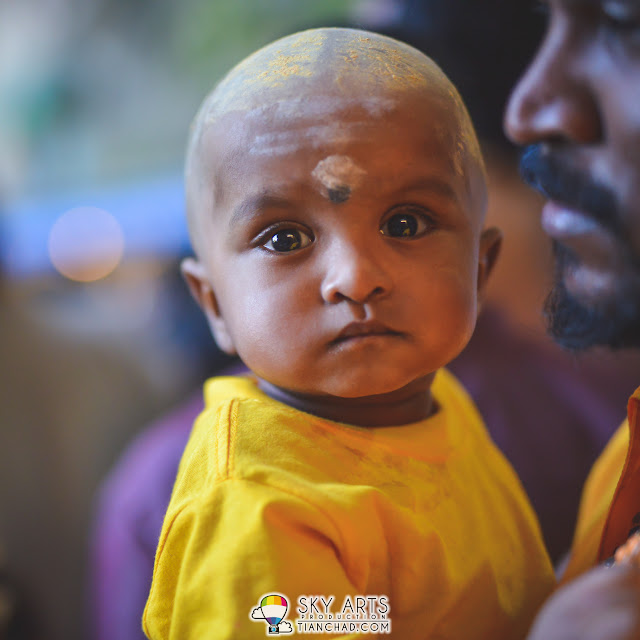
[(253, 206), (433, 184)]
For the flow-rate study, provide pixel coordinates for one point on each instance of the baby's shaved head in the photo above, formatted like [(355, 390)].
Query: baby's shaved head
[(341, 60), (311, 73)]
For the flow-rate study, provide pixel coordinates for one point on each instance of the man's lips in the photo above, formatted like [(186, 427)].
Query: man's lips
[(560, 222), (363, 330), (579, 232), (567, 180)]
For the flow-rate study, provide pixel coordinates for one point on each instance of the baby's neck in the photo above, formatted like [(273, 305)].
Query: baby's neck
[(409, 404)]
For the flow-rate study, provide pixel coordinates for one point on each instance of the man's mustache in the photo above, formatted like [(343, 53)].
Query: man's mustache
[(547, 173)]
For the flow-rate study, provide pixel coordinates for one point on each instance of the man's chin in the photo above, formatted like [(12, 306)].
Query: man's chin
[(588, 308), (577, 324)]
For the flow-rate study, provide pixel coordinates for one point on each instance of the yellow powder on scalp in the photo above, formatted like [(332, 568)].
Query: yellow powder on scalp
[(340, 58)]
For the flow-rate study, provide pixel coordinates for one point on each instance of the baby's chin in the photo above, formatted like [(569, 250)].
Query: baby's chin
[(366, 385), (362, 390)]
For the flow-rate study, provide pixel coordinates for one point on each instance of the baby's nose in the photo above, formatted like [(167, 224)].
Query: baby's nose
[(355, 274)]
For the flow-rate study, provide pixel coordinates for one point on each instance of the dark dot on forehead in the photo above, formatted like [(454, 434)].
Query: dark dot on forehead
[(339, 194)]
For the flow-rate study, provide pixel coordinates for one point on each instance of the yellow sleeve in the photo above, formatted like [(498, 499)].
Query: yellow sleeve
[(595, 503), (217, 557)]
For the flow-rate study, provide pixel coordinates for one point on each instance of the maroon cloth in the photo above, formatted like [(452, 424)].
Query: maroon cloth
[(550, 414)]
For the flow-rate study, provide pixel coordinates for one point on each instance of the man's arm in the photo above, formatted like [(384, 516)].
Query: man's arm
[(602, 604)]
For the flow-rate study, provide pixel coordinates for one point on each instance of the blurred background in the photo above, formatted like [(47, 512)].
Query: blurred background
[(96, 97), (99, 337)]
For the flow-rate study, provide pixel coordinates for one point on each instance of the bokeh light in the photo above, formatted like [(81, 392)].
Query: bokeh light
[(86, 244)]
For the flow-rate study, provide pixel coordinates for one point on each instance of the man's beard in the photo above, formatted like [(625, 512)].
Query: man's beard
[(578, 326)]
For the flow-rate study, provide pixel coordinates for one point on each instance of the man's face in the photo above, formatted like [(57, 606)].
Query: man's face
[(578, 109), (343, 245)]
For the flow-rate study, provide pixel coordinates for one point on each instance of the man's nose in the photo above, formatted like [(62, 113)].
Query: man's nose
[(355, 273), (553, 101)]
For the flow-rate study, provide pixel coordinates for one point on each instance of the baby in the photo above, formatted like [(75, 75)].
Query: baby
[(335, 197)]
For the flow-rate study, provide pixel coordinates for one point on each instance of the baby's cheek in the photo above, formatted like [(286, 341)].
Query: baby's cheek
[(271, 339), (456, 312)]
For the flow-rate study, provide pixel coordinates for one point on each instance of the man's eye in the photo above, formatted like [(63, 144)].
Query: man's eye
[(286, 240), (622, 17), (405, 225)]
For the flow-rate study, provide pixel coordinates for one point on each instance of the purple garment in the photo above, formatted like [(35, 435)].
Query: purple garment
[(550, 413), (130, 511)]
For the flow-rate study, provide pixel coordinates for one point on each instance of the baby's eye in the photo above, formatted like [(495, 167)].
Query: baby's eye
[(285, 240), (405, 225)]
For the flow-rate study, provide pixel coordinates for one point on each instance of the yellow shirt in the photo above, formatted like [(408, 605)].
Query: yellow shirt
[(610, 504), (271, 500)]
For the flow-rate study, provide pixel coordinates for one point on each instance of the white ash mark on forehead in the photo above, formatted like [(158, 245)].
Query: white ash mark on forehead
[(313, 137), (316, 106), (338, 176)]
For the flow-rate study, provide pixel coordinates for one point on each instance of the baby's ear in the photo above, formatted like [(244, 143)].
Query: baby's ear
[(490, 243), (198, 282)]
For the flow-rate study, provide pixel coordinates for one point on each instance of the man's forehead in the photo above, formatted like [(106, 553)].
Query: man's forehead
[(610, 3)]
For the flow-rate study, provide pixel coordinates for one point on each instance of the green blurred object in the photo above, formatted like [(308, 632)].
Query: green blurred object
[(211, 36), (112, 88)]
